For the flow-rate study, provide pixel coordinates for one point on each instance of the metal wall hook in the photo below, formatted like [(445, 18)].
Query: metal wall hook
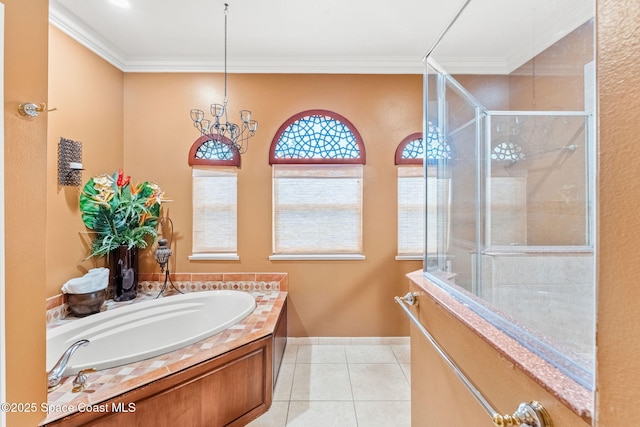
[(33, 110)]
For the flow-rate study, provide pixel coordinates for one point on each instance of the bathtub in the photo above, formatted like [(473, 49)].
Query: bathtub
[(142, 330)]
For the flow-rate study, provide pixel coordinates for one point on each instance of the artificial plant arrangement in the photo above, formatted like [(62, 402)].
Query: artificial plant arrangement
[(120, 213)]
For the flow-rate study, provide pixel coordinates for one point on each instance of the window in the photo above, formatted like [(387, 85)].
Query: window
[(214, 164), (317, 158), (416, 208)]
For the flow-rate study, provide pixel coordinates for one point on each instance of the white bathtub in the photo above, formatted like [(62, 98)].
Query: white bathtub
[(146, 329)]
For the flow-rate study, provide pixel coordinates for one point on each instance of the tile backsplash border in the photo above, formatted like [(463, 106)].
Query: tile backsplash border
[(57, 308)]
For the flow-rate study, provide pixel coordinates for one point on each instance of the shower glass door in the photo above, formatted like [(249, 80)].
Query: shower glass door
[(511, 217)]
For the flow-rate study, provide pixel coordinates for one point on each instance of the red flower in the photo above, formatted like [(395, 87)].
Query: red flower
[(122, 179)]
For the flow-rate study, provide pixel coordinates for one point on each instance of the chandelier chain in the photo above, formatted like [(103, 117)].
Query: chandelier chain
[(221, 129), (226, 14)]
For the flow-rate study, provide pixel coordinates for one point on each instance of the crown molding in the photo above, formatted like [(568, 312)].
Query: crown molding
[(63, 19), (473, 65), (315, 65)]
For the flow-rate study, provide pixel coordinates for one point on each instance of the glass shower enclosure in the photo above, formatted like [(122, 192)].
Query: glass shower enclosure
[(510, 208)]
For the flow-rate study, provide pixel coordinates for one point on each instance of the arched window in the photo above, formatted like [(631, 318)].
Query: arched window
[(411, 149), (214, 150), (215, 162), (317, 159), (416, 208), (317, 136)]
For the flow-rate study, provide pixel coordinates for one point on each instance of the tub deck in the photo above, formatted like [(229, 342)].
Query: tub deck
[(108, 383)]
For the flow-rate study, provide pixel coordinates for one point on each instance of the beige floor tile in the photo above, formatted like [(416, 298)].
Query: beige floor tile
[(282, 390), (290, 353), (383, 414), (406, 368), (370, 353), (402, 353), (321, 414), (321, 354), (321, 381), (379, 381), (276, 416), (317, 387)]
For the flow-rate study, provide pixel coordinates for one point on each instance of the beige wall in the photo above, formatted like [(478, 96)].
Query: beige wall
[(618, 370), (141, 122), (327, 298), (618, 336), (88, 93), (25, 68)]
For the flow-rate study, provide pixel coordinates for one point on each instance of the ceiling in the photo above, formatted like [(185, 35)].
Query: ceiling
[(317, 36)]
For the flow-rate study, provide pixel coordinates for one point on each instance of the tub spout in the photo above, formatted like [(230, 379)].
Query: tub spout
[(55, 375)]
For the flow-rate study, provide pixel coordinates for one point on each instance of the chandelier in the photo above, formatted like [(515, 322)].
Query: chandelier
[(229, 133)]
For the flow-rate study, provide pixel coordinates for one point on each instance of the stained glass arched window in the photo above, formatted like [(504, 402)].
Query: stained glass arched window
[(214, 198), (317, 136), (214, 150), (410, 151), (317, 158)]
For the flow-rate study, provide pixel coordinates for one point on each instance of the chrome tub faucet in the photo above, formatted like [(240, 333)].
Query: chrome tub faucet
[(54, 376)]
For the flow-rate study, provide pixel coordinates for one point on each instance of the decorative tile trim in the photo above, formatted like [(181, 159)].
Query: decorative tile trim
[(57, 308), (206, 285), (282, 278), (54, 301), (58, 312)]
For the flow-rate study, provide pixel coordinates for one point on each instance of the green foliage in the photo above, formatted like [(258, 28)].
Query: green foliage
[(119, 213)]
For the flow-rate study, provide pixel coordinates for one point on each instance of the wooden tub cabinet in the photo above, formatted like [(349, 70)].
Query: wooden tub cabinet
[(228, 390)]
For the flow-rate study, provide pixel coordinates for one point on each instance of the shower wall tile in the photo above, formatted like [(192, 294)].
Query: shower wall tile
[(560, 269), (557, 228), (547, 296)]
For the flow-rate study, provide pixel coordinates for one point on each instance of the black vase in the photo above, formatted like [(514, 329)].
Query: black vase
[(123, 274)]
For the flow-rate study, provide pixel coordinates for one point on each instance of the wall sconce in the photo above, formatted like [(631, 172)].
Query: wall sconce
[(69, 162), (33, 110)]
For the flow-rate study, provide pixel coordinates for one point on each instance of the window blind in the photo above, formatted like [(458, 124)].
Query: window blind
[(215, 199), (411, 210), (418, 211), (317, 209)]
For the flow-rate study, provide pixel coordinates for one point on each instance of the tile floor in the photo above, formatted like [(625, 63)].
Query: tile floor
[(340, 384)]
